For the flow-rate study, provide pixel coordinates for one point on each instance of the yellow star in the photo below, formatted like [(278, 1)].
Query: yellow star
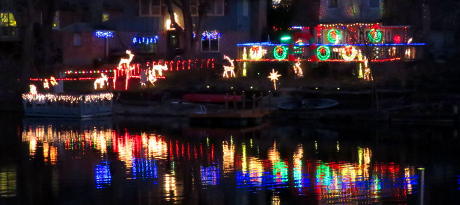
[(274, 76)]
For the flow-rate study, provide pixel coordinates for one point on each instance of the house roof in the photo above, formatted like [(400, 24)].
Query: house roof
[(107, 4), (134, 24), (82, 27)]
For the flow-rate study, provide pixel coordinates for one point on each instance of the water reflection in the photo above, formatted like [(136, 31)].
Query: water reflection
[(8, 180), (176, 165)]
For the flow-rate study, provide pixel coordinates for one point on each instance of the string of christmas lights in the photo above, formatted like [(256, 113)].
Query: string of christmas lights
[(63, 98), (104, 34)]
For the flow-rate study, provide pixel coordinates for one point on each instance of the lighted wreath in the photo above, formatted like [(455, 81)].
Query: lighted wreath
[(280, 52), (334, 35), (323, 53), (349, 53), (375, 36)]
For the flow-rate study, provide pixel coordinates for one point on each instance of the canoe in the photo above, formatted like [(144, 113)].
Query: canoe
[(319, 104)]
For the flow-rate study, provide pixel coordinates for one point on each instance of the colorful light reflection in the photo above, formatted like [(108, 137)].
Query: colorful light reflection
[(102, 175)]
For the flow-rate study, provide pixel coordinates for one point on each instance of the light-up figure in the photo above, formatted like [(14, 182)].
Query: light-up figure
[(274, 76), (367, 71), (297, 69), (257, 52), (159, 69), (33, 89), (101, 82), (349, 53), (151, 76), (126, 61), (229, 71), (53, 81), (46, 85)]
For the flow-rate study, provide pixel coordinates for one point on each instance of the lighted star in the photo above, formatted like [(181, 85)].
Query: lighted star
[(274, 76)]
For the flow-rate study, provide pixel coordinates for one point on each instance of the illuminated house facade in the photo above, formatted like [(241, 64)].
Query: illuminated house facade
[(348, 32), (144, 26)]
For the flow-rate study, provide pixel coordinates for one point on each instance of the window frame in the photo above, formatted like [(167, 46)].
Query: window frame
[(209, 46)]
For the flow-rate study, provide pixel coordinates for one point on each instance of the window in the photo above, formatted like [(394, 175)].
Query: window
[(210, 41), (215, 8), (105, 17), (56, 22), (76, 39), (7, 20), (210, 45), (374, 3), (333, 3), (150, 7), (7, 24)]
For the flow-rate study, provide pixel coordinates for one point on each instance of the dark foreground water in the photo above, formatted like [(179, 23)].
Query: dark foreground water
[(155, 161)]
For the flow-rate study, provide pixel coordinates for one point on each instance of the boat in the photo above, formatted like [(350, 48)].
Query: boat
[(52, 105), (319, 104), (290, 103)]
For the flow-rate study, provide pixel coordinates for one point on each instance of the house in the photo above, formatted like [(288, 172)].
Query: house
[(8, 24), (350, 11), (103, 29)]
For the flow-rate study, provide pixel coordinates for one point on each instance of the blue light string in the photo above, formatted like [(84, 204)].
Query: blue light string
[(104, 34), (303, 44), (145, 40)]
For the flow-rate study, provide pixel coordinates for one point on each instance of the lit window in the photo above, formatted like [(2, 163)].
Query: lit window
[(56, 21), (76, 39), (7, 20), (333, 3), (105, 17), (374, 3)]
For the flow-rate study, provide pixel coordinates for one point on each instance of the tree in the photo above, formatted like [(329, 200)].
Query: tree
[(190, 42), (37, 45)]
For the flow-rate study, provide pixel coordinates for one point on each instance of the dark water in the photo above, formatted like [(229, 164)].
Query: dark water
[(156, 161)]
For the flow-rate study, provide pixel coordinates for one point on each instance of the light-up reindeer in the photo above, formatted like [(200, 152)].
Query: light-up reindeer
[(297, 69), (101, 82), (229, 69), (126, 61)]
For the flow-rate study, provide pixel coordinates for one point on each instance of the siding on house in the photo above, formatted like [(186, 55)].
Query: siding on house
[(242, 21), (349, 11)]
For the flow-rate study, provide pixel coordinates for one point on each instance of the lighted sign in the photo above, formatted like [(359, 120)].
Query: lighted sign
[(137, 40), (104, 34)]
